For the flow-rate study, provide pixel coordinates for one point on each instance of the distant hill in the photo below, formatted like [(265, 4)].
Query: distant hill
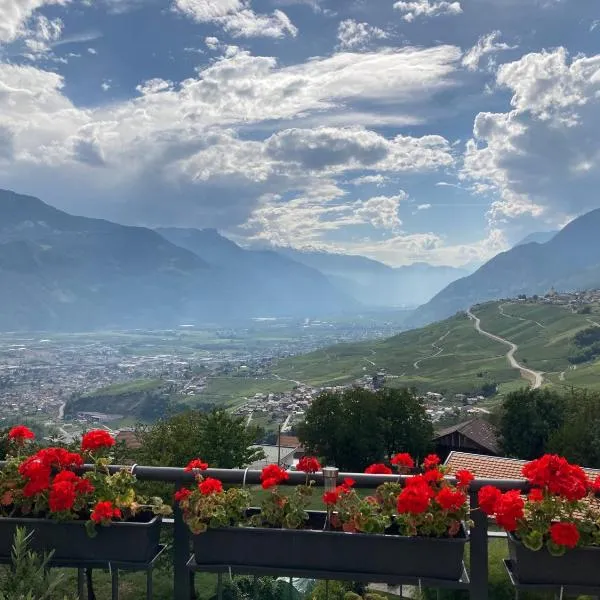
[(569, 261), (450, 357), (539, 237), (63, 272), (374, 283)]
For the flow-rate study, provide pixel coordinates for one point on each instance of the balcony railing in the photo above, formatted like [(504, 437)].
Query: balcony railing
[(476, 583)]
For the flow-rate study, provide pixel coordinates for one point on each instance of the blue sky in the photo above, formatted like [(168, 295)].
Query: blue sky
[(405, 130)]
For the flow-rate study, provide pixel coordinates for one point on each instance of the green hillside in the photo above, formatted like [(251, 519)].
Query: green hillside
[(451, 357)]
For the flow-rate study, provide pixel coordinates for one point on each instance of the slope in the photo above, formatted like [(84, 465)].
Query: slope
[(450, 356), (569, 261)]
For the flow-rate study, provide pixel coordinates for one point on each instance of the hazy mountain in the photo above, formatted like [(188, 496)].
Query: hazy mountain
[(374, 283), (569, 261), (59, 271), (264, 282), (539, 237)]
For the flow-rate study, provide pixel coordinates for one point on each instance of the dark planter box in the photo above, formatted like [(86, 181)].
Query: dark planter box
[(135, 541), (578, 567), (317, 550)]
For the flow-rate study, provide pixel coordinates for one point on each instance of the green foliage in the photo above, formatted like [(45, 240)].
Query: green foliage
[(529, 417), (29, 578), (219, 438), (287, 511), (355, 428)]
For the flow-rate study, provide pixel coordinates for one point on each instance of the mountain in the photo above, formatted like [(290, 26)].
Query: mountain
[(64, 272), (374, 283), (264, 282), (539, 237), (569, 261)]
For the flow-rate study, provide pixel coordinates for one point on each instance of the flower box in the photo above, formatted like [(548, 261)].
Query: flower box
[(577, 567), (127, 541), (332, 551)]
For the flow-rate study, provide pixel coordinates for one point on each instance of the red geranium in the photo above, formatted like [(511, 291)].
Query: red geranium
[(488, 496), (595, 485), (378, 469), (96, 440), (104, 512), (433, 476), (404, 459), (309, 464), (463, 478), (20, 434), (564, 534), (62, 496), (535, 495), (431, 461), (196, 464), (509, 508), (330, 498), (182, 494), (555, 474), (210, 486), (347, 483), (58, 458), (450, 499), (415, 498), (272, 475)]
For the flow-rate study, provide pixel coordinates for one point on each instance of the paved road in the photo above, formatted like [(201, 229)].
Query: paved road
[(535, 377)]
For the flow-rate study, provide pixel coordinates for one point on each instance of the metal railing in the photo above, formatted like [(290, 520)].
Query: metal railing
[(182, 582)]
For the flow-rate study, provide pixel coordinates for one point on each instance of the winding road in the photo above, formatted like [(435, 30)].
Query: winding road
[(438, 350), (535, 377)]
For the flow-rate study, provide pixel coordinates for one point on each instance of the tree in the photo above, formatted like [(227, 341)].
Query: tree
[(219, 438), (357, 427), (578, 439), (528, 419)]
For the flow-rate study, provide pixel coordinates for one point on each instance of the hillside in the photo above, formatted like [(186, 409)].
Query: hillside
[(569, 261), (374, 283), (451, 357)]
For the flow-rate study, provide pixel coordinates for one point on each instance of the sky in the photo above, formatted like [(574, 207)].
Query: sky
[(435, 131)]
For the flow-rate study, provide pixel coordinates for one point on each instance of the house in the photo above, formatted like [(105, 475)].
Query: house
[(129, 437), (291, 441), (476, 436)]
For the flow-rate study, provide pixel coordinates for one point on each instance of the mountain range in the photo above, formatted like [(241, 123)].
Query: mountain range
[(569, 260)]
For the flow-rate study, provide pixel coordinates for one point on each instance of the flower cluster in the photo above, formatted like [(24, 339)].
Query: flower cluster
[(558, 513), (50, 483)]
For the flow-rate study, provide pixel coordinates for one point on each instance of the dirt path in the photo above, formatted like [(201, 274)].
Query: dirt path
[(437, 348)]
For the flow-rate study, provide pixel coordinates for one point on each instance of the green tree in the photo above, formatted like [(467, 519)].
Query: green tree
[(357, 427), (219, 438), (528, 419)]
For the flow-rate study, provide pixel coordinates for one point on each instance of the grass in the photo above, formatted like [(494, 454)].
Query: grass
[(129, 387), (232, 391)]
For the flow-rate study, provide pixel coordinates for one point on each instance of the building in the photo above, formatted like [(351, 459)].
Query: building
[(476, 436)]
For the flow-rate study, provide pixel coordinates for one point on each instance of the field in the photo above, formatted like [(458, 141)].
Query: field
[(231, 391), (451, 357)]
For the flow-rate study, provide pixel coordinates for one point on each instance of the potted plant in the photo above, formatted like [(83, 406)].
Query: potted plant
[(91, 515), (411, 530), (554, 531)]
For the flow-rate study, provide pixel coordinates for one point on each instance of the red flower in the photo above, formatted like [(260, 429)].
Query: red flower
[(348, 483), (415, 498), (403, 459), (378, 469), (488, 496), (83, 486), (431, 461), (96, 440), (433, 475), (463, 478), (210, 486), (555, 474), (196, 464), (62, 496), (38, 475), (595, 485), (272, 475), (182, 494), (105, 511), (309, 464), (20, 434), (58, 458), (564, 534), (509, 508), (330, 498), (535, 495), (450, 499)]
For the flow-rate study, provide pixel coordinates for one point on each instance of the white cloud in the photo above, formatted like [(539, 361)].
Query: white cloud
[(16, 14), (237, 18), (542, 157), (382, 211), (212, 42), (413, 9), (423, 206), (92, 51), (486, 45), (352, 34), (379, 180)]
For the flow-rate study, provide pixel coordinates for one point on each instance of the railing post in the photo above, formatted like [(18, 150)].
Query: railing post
[(478, 552), (181, 550)]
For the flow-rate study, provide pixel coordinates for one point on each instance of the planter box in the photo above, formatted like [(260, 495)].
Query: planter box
[(135, 541), (332, 551), (578, 567)]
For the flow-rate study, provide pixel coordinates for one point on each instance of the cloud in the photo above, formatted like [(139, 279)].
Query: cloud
[(542, 156), (237, 18), (16, 14), (414, 9), (486, 45), (423, 206), (212, 42), (379, 180), (352, 34), (382, 211)]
